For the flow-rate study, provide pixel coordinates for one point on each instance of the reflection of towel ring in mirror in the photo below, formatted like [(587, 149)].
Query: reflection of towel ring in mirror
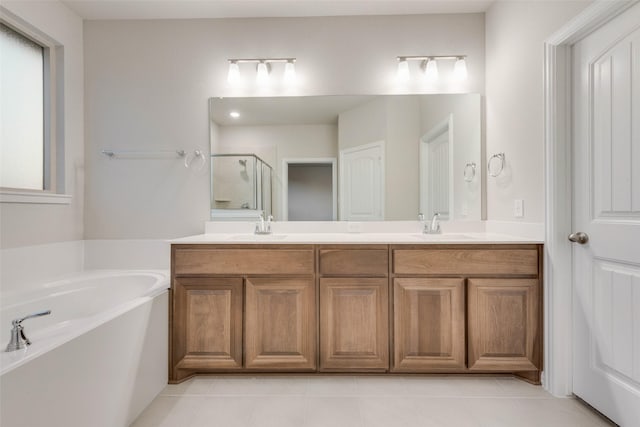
[(190, 158), (499, 162), (469, 171)]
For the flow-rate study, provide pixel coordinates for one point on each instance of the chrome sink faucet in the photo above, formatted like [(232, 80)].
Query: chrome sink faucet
[(422, 222), (430, 228), (262, 226), (18, 339), (435, 225)]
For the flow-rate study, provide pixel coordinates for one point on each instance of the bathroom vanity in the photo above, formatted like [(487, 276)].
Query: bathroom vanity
[(388, 304)]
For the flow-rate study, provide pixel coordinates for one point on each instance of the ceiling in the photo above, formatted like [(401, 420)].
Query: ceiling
[(191, 9), (297, 110)]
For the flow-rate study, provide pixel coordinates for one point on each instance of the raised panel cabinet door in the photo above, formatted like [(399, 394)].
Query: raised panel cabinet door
[(354, 324), (504, 325), (280, 324), (207, 325), (428, 323)]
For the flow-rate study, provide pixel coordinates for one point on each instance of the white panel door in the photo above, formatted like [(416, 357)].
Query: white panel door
[(436, 166), (606, 188), (362, 183), (438, 172)]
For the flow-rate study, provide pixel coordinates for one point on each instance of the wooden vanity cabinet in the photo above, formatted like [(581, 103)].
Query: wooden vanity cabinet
[(242, 307), (412, 308), (354, 308), (503, 315)]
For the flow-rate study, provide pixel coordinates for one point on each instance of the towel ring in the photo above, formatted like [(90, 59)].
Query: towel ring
[(469, 171), (190, 158), (499, 160)]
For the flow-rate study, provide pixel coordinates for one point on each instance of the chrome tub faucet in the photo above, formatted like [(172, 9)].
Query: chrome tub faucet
[(18, 339)]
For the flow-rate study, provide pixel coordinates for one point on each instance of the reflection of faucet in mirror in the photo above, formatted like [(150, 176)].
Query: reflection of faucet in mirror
[(263, 227), (423, 224)]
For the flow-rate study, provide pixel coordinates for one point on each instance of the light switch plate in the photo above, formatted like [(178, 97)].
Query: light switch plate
[(518, 208)]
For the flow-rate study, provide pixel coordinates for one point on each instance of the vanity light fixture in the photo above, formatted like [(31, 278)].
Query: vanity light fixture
[(460, 69), (262, 73), (403, 69), (290, 71), (234, 72), (263, 69), (429, 66)]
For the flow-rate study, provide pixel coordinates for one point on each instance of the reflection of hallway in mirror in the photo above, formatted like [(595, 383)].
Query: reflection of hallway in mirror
[(310, 192)]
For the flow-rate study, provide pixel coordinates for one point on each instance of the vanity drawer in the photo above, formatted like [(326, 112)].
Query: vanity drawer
[(244, 261), (354, 262), (507, 261)]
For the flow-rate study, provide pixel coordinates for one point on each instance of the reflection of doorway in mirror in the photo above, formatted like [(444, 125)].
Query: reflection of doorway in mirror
[(436, 183), (362, 182), (309, 189)]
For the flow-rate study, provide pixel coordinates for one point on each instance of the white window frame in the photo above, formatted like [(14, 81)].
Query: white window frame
[(54, 130)]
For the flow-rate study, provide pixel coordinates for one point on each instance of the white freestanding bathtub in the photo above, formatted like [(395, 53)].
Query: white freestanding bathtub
[(97, 360)]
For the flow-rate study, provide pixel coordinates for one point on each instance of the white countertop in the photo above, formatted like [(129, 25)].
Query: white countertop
[(380, 232), (355, 238)]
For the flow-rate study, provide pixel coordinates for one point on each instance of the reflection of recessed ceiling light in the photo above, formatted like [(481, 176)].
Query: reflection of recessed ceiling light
[(234, 114)]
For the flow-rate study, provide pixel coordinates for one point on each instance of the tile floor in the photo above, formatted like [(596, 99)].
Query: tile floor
[(363, 401)]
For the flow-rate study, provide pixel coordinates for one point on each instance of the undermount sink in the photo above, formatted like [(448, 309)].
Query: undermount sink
[(446, 236), (254, 237)]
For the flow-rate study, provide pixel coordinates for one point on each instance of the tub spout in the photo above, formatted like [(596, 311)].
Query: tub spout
[(18, 338)]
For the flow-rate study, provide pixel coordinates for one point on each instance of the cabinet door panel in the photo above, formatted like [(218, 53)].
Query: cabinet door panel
[(429, 332), (207, 324), (354, 325), (504, 324), (280, 324)]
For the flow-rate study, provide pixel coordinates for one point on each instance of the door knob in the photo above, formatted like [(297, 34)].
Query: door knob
[(579, 237)]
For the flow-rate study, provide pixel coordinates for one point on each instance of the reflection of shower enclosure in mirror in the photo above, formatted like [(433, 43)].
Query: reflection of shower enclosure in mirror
[(240, 186)]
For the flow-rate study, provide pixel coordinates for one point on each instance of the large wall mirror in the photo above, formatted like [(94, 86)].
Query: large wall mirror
[(356, 158)]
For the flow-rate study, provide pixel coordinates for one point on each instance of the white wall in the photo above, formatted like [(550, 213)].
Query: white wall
[(402, 167), (148, 82), (515, 32), (31, 224), (363, 124), (275, 143)]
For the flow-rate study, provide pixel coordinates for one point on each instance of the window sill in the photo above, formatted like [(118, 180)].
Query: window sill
[(34, 198)]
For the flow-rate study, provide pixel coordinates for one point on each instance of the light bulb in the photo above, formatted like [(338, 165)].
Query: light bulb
[(234, 114), (460, 69), (289, 72), (403, 70), (234, 72), (262, 75), (430, 67)]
